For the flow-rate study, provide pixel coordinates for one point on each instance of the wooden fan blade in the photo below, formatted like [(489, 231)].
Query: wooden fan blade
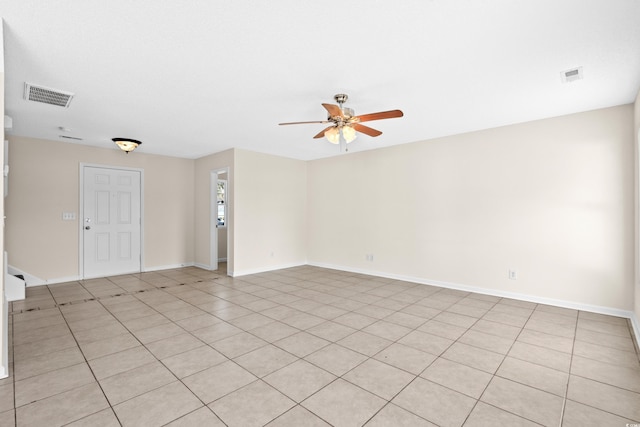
[(321, 134), (366, 129), (333, 110), (304, 123), (379, 116)]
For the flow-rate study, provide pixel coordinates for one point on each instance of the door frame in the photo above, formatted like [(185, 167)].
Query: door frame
[(213, 220), (81, 212)]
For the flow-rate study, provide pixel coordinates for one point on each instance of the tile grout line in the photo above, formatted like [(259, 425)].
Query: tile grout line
[(300, 358), (396, 341), (593, 380), (499, 322), (495, 374), (81, 301), (80, 348), (188, 332), (91, 370), (66, 322), (162, 289), (358, 288), (566, 390), (492, 375), (389, 401), (145, 347)]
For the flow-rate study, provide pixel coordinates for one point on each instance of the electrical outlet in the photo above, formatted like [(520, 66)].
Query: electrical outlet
[(369, 257), (513, 274)]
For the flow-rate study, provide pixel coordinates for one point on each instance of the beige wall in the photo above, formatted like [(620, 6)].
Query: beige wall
[(269, 223), (202, 186), (552, 199), (44, 182)]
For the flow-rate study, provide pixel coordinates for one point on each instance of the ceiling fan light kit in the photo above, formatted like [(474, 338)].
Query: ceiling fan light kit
[(344, 121), (348, 133), (333, 135)]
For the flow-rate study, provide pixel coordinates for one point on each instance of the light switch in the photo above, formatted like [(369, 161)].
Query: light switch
[(68, 216)]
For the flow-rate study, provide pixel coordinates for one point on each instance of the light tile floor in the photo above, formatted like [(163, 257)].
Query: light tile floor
[(308, 346)]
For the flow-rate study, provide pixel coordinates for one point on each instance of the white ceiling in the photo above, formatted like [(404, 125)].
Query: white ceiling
[(191, 78)]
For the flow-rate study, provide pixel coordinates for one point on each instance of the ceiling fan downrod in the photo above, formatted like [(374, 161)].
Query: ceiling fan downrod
[(347, 113), (341, 98)]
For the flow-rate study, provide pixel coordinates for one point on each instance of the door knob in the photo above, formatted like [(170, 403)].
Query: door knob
[(87, 227)]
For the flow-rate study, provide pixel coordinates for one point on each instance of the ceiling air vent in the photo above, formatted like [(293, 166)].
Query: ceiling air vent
[(47, 95), (572, 75)]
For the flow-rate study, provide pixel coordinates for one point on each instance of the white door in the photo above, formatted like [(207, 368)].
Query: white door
[(111, 221)]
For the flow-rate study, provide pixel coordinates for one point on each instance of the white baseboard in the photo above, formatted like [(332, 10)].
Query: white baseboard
[(494, 292), (264, 270), (202, 266), (4, 366), (635, 324), (168, 267), (32, 280), (36, 281), (208, 268)]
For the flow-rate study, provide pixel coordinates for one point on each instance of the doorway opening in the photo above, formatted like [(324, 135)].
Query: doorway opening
[(219, 195)]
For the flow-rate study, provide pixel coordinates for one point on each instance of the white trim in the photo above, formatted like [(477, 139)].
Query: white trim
[(31, 280), (635, 325), (36, 281), (493, 292), (54, 281), (1, 46), (14, 288), (264, 270), (169, 267), (4, 366), (636, 195), (81, 211), (222, 259)]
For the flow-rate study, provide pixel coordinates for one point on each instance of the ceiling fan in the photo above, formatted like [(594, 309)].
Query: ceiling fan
[(344, 121)]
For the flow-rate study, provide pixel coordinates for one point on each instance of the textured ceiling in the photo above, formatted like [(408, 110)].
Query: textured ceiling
[(198, 77)]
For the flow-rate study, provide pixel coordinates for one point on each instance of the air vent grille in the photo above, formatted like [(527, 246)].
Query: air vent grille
[(47, 95), (70, 137)]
